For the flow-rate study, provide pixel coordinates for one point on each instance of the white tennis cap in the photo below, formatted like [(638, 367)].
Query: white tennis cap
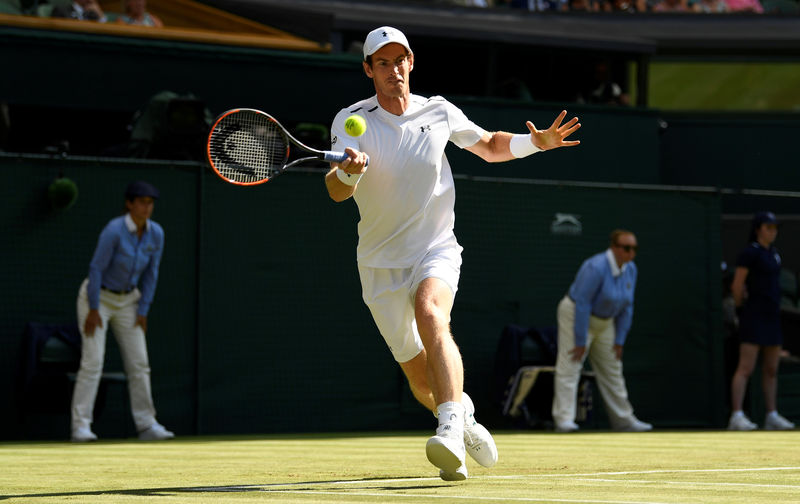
[(379, 37)]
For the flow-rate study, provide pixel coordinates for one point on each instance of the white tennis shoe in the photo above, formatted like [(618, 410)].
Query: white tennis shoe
[(83, 435), (480, 444), (446, 449), (635, 425), (156, 432), (740, 422), (478, 441), (459, 474), (774, 421), (568, 426)]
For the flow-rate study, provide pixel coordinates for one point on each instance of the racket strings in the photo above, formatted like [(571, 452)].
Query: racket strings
[(248, 147)]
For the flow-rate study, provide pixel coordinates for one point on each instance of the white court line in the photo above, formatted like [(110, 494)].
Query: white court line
[(592, 477), (697, 483), (463, 497), (624, 473), (515, 476)]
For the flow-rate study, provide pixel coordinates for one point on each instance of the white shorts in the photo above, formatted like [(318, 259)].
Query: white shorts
[(389, 295)]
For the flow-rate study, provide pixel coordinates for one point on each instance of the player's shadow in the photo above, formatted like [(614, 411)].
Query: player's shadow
[(268, 487)]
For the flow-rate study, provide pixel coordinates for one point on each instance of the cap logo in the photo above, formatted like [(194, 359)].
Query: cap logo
[(385, 34)]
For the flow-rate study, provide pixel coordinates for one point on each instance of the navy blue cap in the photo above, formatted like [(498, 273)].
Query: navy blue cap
[(141, 188), (764, 218)]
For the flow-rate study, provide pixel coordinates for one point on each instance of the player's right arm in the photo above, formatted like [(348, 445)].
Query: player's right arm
[(355, 165)]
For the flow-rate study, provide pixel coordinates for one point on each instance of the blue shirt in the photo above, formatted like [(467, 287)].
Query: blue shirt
[(121, 260), (604, 290)]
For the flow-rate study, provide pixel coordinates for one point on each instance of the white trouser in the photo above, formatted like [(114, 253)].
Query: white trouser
[(118, 310), (604, 362)]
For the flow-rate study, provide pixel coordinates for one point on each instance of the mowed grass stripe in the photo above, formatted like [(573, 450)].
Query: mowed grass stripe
[(668, 467)]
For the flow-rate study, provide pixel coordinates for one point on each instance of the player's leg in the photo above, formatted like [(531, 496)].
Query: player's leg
[(93, 350), (478, 441), (445, 373), (568, 371), (416, 371), (748, 354), (388, 295)]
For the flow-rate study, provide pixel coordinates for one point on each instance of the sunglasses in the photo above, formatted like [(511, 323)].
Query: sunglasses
[(628, 248)]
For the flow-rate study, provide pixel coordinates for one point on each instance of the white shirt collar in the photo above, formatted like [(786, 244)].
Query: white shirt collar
[(132, 225), (612, 261)]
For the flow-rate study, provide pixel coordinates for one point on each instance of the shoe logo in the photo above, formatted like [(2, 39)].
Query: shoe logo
[(453, 416), (445, 427)]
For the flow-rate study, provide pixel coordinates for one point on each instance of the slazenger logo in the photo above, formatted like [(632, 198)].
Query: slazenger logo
[(566, 224)]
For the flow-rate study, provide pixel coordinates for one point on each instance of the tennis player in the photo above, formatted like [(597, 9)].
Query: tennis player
[(408, 257)]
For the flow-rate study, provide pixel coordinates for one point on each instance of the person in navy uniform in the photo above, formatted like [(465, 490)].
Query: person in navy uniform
[(756, 291)]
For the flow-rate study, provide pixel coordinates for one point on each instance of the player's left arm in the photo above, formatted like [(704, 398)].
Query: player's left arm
[(503, 146)]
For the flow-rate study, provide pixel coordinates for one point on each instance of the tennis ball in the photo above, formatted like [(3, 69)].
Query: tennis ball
[(355, 125), (62, 193)]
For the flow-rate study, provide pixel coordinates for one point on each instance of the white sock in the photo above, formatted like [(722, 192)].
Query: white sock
[(469, 408), (737, 413), (451, 415), (772, 414)]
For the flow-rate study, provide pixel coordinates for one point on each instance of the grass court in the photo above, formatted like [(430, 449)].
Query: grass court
[(597, 467)]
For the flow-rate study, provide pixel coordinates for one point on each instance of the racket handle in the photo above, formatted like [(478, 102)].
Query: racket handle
[(338, 157)]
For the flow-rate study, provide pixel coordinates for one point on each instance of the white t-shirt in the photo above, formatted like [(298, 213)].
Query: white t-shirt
[(406, 198)]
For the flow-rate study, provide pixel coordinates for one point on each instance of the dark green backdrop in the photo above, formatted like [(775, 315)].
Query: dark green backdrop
[(258, 324)]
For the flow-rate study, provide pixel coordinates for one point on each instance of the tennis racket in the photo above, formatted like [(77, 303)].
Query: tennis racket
[(249, 147)]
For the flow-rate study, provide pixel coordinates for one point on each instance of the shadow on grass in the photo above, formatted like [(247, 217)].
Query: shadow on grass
[(268, 487)]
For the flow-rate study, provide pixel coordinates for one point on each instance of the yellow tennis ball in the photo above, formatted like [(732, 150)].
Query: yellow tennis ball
[(355, 125)]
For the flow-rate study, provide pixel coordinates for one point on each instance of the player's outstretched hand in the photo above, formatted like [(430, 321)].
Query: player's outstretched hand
[(554, 136)]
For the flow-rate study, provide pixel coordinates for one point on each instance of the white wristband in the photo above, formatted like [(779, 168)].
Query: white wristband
[(348, 178), (522, 146)]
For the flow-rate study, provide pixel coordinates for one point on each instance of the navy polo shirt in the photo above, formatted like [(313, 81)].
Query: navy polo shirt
[(763, 278)]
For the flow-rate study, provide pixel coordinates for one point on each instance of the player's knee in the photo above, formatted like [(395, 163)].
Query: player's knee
[(432, 318)]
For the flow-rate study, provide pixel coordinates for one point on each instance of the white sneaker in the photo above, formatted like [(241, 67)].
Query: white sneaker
[(156, 432), (740, 422), (83, 435), (636, 425), (480, 445), (776, 422), (566, 426), (477, 440), (460, 474), (446, 449)]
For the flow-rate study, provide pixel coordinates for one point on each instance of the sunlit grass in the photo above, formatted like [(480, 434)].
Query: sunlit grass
[(668, 467)]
